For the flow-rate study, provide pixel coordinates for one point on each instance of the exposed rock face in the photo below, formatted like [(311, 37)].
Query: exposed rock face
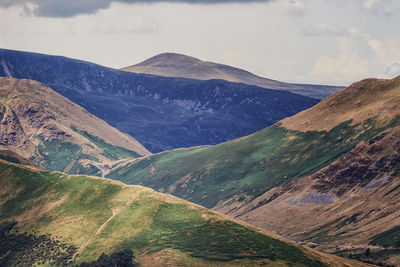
[(162, 113)]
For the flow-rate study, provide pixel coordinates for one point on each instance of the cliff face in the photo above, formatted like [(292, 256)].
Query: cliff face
[(161, 113)]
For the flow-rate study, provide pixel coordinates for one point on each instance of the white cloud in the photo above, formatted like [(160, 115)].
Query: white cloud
[(349, 65), (392, 71), (360, 56)]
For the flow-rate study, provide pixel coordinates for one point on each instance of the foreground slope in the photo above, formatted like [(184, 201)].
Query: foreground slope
[(54, 218), (40, 124), (340, 153), (177, 65), (162, 113)]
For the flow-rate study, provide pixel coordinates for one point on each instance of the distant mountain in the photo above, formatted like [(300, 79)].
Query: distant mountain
[(53, 219), (161, 113), (328, 176), (56, 134), (178, 65)]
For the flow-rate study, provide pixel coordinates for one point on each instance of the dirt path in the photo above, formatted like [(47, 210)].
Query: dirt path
[(114, 212), (103, 172)]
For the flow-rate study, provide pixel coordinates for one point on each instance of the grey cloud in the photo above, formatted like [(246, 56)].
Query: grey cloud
[(70, 8)]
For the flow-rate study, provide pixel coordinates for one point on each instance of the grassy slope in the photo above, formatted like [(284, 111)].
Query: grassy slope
[(55, 133), (91, 216), (243, 169), (342, 207)]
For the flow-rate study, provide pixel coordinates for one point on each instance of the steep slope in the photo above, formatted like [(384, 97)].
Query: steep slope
[(40, 124), (59, 219), (13, 157), (161, 113), (347, 207), (178, 65), (326, 157)]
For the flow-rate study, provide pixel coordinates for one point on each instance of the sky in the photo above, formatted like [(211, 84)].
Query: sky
[(333, 42)]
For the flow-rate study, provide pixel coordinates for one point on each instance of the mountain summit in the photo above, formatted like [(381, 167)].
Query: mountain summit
[(178, 65)]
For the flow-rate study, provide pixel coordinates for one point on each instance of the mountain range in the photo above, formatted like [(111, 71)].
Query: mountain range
[(327, 176), (162, 113), (178, 65)]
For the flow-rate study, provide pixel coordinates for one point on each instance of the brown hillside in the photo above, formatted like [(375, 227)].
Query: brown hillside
[(32, 114), (370, 98)]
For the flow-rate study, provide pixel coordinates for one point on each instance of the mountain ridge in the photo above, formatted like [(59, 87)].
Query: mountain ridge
[(179, 65), (40, 124)]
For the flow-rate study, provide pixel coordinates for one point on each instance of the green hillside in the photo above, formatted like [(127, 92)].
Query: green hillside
[(53, 218), (248, 167), (243, 169)]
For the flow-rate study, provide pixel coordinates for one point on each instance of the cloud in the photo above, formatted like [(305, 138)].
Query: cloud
[(349, 65), (325, 29), (392, 71), (70, 8), (360, 56)]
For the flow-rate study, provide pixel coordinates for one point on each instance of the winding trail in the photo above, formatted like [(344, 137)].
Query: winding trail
[(114, 212), (103, 172)]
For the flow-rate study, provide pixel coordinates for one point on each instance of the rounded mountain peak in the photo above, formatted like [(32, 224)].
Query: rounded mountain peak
[(169, 59)]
